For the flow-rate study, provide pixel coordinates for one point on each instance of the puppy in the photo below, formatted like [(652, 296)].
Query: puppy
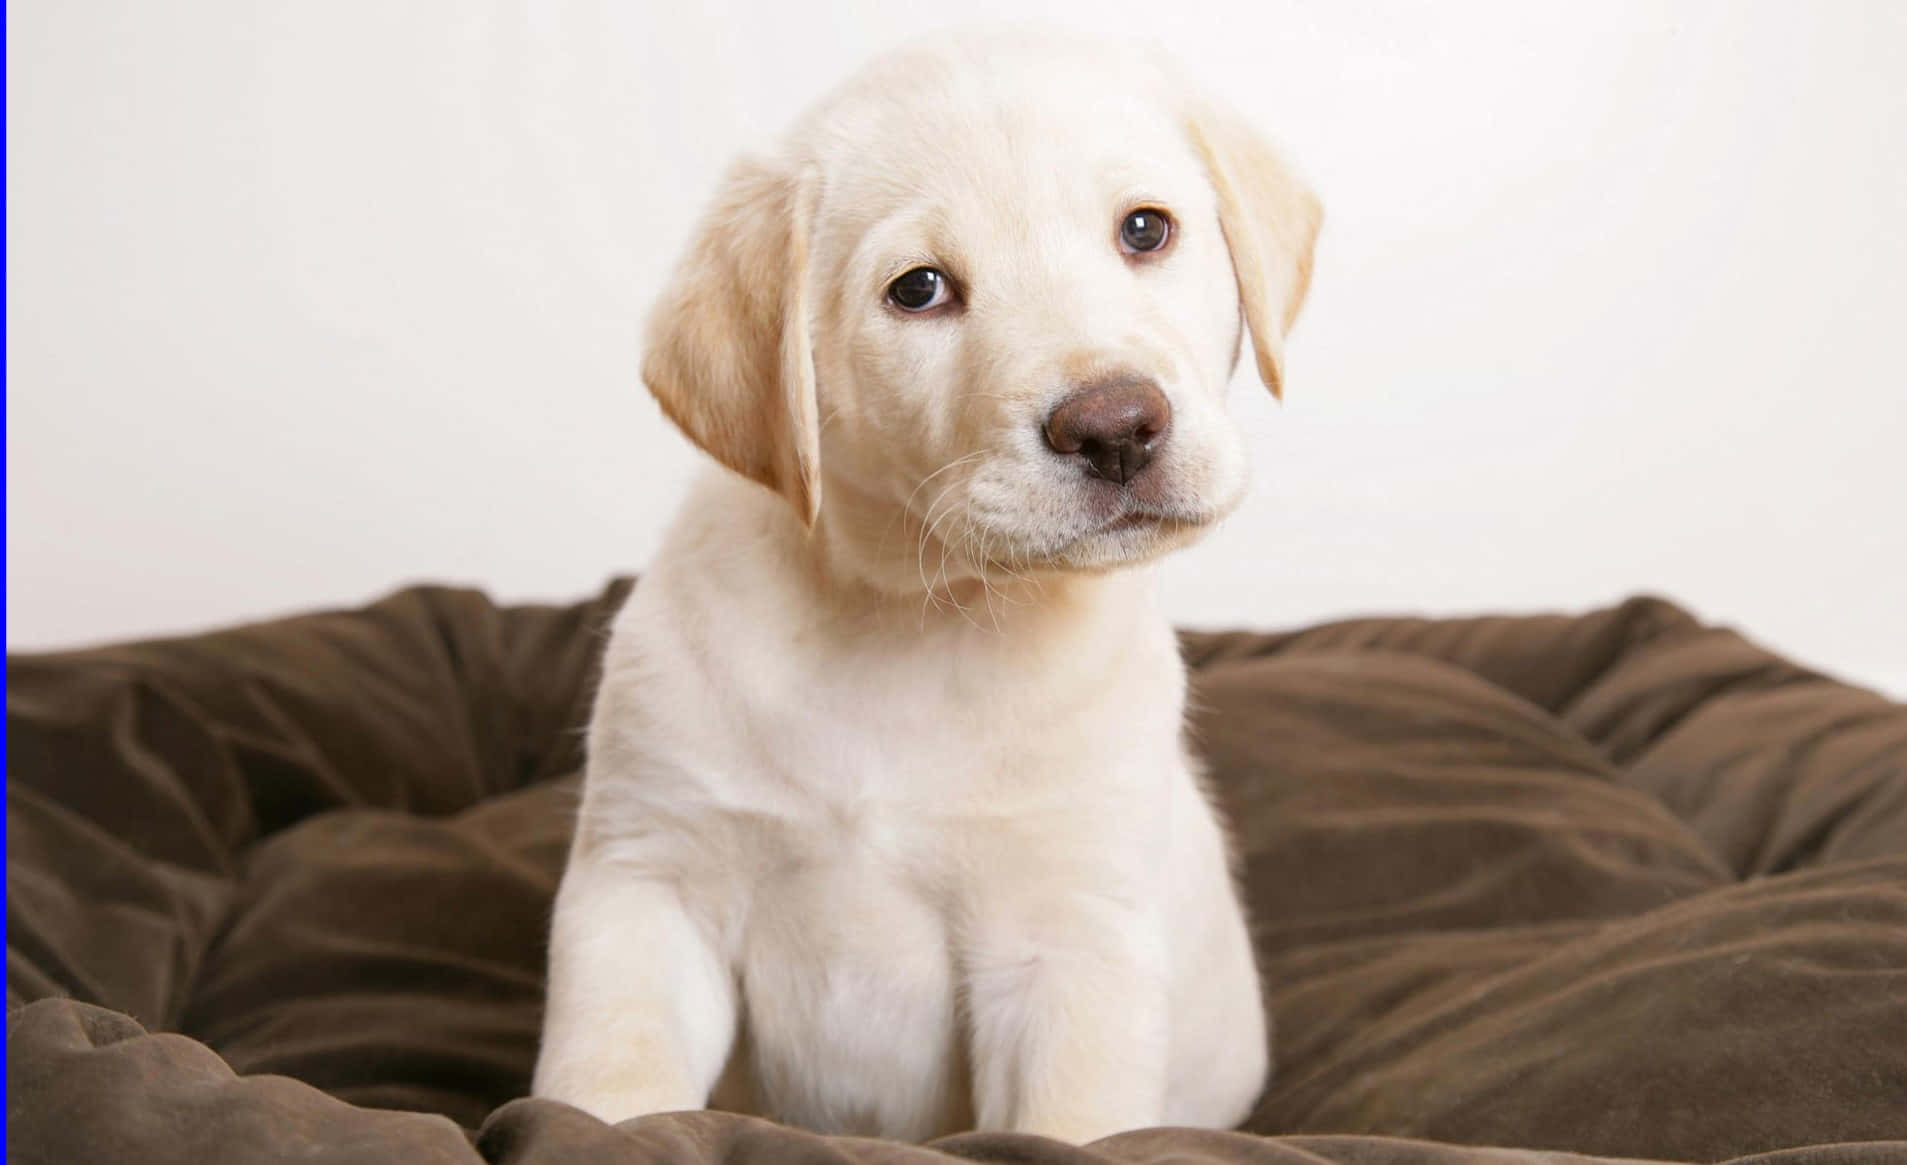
[(889, 826)]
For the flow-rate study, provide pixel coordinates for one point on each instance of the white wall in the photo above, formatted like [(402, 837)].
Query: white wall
[(310, 299)]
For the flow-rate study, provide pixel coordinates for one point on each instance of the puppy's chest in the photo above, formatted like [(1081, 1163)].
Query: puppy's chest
[(845, 943), (843, 830), (844, 841), (842, 781)]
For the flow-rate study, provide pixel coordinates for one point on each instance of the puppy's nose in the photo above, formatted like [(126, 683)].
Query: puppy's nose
[(1116, 425)]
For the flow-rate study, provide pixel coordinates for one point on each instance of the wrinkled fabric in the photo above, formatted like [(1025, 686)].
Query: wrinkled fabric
[(1619, 884)]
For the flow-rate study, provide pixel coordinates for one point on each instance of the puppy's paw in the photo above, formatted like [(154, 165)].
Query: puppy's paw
[(612, 1100)]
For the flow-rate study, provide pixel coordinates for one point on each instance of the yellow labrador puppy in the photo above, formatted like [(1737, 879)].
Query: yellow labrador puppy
[(889, 825)]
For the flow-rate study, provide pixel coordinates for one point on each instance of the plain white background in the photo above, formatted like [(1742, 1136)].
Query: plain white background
[(308, 300)]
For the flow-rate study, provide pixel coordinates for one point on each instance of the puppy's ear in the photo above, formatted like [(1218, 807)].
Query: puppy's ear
[(1271, 224), (728, 353)]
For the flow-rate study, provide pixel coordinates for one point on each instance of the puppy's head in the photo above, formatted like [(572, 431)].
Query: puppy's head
[(981, 310)]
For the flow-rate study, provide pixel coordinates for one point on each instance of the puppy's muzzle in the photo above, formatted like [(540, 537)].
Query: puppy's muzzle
[(1116, 426)]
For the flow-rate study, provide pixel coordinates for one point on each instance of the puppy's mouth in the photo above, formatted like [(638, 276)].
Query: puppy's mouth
[(1148, 519), (1136, 516), (1126, 538)]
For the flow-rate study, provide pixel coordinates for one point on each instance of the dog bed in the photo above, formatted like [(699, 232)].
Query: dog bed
[(1620, 884)]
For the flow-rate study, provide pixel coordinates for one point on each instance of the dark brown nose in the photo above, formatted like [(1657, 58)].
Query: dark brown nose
[(1116, 425)]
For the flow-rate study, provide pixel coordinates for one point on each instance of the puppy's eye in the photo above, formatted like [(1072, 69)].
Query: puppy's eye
[(918, 290), (1145, 229)]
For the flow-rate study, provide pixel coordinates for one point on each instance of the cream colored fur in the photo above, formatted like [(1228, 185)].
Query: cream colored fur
[(889, 826)]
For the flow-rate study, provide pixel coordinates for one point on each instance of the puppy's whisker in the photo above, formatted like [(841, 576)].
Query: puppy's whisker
[(947, 546), (928, 525), (928, 531), (905, 511), (906, 508), (1006, 567), (982, 559), (988, 584), (977, 563), (931, 587), (958, 461), (927, 534)]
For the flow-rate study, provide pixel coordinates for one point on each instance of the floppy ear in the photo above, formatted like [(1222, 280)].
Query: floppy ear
[(1270, 222), (728, 353)]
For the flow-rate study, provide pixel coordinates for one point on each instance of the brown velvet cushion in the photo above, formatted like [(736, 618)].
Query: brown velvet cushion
[(1616, 884)]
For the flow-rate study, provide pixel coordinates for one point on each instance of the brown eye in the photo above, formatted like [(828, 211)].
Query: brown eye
[(1145, 230), (918, 290)]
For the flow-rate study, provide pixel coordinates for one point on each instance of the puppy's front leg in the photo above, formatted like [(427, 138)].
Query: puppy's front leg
[(641, 1010), (1067, 1006)]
